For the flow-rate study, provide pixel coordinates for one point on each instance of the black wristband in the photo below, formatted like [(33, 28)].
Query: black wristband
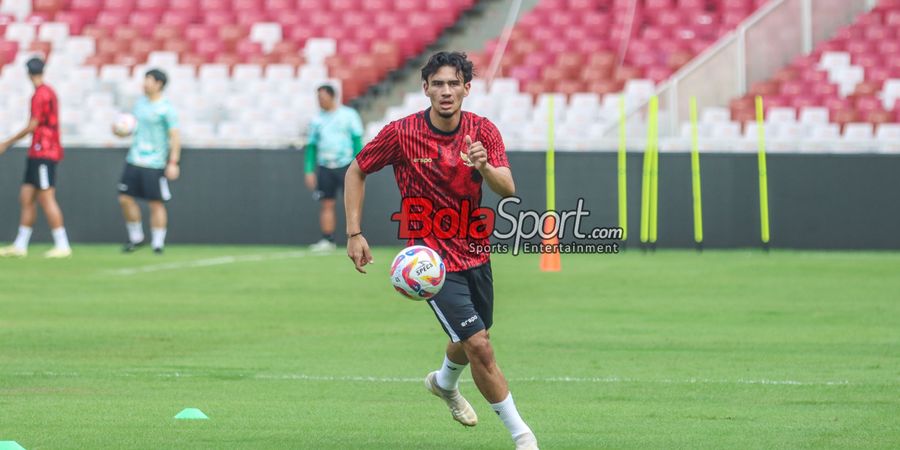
[(354, 235)]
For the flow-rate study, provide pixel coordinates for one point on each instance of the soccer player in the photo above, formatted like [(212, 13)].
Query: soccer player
[(443, 154), (40, 171), (335, 138), (152, 161)]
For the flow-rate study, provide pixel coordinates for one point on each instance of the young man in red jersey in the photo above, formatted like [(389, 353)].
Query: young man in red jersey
[(444, 154), (40, 172)]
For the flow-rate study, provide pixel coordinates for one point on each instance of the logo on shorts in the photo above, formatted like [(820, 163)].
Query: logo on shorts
[(468, 321), (123, 187)]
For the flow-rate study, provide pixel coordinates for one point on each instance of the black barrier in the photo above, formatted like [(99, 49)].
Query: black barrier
[(258, 197)]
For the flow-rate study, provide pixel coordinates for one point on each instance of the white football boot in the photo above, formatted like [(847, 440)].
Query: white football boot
[(460, 408)]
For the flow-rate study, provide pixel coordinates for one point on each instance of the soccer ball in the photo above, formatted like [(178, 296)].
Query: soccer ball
[(124, 124), (418, 272)]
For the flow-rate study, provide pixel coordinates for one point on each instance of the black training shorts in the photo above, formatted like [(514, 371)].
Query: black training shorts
[(145, 183), (329, 181), (465, 305), (40, 173)]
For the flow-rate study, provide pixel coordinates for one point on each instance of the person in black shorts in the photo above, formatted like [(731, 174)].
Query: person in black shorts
[(39, 186), (443, 156), (152, 161), (335, 138)]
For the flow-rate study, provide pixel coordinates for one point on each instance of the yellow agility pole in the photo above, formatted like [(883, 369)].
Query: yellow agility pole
[(623, 173), (653, 125), (645, 190), (695, 177), (763, 177), (550, 262), (551, 157)]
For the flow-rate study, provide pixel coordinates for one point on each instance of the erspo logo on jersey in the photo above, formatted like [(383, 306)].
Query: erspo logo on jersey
[(418, 219)]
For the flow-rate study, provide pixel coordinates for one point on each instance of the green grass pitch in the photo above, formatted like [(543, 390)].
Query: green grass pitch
[(728, 349)]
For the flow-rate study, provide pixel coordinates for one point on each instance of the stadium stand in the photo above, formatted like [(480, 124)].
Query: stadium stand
[(586, 53), (850, 84), (230, 61)]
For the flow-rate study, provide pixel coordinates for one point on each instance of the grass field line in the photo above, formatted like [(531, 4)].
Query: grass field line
[(374, 379), (208, 262)]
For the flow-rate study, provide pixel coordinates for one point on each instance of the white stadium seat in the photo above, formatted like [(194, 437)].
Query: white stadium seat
[(266, 34)]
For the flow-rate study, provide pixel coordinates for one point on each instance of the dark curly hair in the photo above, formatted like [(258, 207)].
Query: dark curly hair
[(457, 60)]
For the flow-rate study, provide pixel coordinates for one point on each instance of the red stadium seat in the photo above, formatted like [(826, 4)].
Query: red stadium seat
[(218, 18), (659, 4), (145, 21), (127, 32), (98, 60), (96, 32), (591, 74), (118, 6), (805, 101), (377, 5), (183, 5), (86, 5), (278, 7), (74, 20), (794, 88), (350, 5), (192, 59), (209, 49), (110, 19), (41, 47), (146, 46), (177, 45), (299, 35), (200, 32), (247, 49), (248, 18), (180, 18), (658, 73), (228, 59), (48, 6), (166, 32), (214, 5), (157, 6), (241, 6), (692, 5), (604, 87), (231, 34)]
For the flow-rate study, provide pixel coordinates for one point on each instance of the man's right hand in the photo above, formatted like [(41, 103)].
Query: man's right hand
[(359, 252), (311, 181), (4, 145)]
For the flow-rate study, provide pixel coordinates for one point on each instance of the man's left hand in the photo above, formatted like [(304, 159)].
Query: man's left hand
[(477, 154)]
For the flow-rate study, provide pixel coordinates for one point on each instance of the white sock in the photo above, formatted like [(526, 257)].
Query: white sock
[(510, 417), (22, 238), (159, 237), (448, 376), (135, 232), (60, 239)]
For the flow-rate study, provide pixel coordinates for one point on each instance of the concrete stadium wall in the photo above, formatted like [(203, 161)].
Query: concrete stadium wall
[(258, 197)]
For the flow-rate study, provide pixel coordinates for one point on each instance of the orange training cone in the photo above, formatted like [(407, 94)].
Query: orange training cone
[(550, 262)]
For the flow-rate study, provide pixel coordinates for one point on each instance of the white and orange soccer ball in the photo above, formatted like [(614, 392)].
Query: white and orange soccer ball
[(125, 124), (418, 272)]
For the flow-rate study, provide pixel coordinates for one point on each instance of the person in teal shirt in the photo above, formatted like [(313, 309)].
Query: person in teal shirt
[(152, 162), (335, 138)]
